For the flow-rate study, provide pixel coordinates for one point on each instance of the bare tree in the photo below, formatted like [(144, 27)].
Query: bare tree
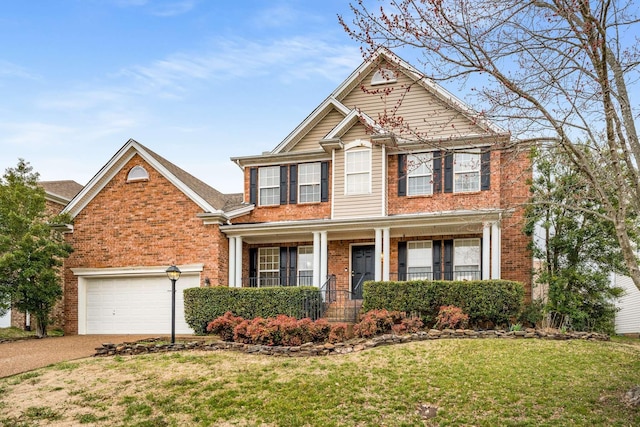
[(554, 72)]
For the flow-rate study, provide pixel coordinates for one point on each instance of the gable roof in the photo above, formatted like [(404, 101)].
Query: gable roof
[(334, 100), (206, 197)]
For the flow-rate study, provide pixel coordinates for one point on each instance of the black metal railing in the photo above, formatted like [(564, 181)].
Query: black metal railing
[(264, 282), (447, 275)]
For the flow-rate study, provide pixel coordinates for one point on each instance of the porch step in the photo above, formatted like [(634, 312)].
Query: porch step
[(346, 311)]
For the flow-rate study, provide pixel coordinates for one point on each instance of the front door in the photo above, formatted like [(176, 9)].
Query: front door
[(362, 268)]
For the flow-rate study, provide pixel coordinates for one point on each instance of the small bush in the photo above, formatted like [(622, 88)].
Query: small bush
[(376, 322), (281, 330), (224, 326), (339, 332), (451, 317)]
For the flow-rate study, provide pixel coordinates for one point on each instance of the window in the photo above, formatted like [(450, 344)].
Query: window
[(419, 260), (137, 173), (268, 267), (269, 183), (466, 172), (466, 259), (305, 266), (383, 76), (420, 174), (309, 182), (357, 170)]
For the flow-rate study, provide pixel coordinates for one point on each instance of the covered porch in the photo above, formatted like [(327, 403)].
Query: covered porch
[(453, 245)]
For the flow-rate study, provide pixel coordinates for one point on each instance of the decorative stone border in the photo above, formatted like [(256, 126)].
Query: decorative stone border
[(311, 349)]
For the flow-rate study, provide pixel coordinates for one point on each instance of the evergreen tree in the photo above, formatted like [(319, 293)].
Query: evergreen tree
[(31, 252)]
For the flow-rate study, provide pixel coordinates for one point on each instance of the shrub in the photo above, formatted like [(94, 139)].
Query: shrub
[(203, 304), (532, 313), (377, 322), (224, 326), (339, 332), (451, 317), (281, 330), (485, 301)]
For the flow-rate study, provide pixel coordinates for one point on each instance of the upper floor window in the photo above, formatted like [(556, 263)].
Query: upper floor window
[(419, 260), (309, 182), (420, 174), (383, 76), (466, 259), (269, 184), (466, 172), (358, 172), (137, 173)]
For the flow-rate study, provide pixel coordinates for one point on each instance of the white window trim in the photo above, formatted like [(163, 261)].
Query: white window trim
[(410, 174), (298, 270), (479, 171), (277, 269), (261, 187), (347, 173), (137, 173), (318, 183)]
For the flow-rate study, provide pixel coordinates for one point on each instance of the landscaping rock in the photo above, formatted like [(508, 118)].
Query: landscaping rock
[(632, 397)]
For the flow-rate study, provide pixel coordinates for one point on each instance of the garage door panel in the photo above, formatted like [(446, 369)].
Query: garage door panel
[(135, 305)]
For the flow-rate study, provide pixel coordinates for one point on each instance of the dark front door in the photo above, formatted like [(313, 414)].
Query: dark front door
[(363, 265)]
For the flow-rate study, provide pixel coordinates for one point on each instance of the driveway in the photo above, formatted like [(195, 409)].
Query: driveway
[(27, 355)]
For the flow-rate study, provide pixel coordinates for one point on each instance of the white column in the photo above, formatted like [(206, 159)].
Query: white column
[(232, 261), (378, 255), (238, 262), (316, 258), (386, 250), (324, 257), (486, 251), (495, 250)]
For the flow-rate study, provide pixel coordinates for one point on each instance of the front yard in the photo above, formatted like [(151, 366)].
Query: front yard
[(470, 382)]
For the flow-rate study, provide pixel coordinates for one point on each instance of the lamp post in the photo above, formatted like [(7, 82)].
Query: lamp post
[(173, 273)]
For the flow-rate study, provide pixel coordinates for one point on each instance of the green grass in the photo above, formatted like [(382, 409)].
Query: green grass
[(471, 382), (18, 334)]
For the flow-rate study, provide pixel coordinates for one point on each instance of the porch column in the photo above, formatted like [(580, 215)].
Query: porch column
[(495, 250), (316, 258), (324, 258), (238, 257), (386, 251), (486, 251), (378, 255), (232, 262)]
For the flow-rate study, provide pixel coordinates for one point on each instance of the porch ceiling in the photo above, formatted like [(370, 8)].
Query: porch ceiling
[(427, 224)]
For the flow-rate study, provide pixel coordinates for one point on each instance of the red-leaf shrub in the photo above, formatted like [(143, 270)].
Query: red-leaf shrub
[(224, 326), (281, 330), (376, 322), (412, 324), (339, 332), (451, 317)]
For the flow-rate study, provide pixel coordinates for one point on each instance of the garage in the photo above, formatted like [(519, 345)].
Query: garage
[(131, 304), (5, 321)]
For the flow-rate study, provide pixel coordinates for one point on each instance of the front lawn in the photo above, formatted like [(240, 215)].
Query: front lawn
[(469, 382)]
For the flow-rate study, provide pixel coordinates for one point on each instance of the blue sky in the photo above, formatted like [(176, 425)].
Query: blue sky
[(196, 81)]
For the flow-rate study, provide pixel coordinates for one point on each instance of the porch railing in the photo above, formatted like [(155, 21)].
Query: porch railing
[(263, 282), (447, 275)]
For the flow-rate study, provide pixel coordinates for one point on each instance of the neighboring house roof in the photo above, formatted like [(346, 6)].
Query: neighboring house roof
[(210, 200), (61, 192)]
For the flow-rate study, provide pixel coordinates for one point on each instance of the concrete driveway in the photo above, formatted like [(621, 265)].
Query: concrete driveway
[(27, 355)]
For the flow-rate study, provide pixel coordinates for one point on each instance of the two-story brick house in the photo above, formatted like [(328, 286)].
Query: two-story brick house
[(390, 178)]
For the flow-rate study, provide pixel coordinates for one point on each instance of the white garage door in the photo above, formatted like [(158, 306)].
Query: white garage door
[(136, 305), (5, 321)]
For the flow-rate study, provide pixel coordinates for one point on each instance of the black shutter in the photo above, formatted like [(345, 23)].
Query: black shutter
[(293, 184), (253, 267), (293, 270), (481, 254), (253, 186), (437, 260), (324, 181), (437, 172), (402, 261), (448, 173), (283, 185), (485, 170), (402, 175), (283, 266), (448, 260)]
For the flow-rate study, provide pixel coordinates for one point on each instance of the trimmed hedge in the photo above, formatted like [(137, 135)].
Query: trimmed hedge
[(202, 305), (494, 301)]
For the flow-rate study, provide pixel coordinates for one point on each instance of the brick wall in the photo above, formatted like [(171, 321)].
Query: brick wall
[(143, 223)]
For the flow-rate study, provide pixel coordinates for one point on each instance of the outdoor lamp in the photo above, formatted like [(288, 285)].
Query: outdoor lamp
[(173, 273)]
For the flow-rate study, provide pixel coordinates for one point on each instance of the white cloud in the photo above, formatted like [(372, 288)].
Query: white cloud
[(8, 69), (160, 8)]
